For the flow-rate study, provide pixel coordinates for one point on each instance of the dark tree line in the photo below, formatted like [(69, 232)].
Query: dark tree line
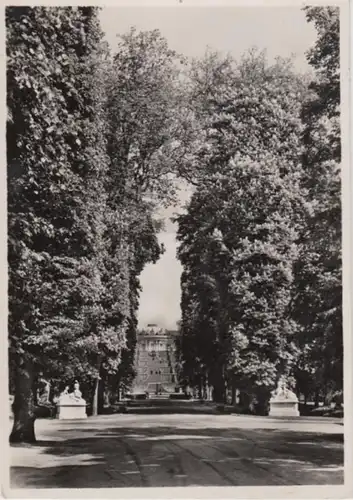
[(260, 242), (95, 142), (86, 135)]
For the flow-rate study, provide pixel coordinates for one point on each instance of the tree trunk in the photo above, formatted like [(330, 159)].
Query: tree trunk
[(317, 399), (23, 407), (200, 388), (234, 393), (208, 388), (95, 398), (219, 389), (262, 402), (95, 403), (204, 389), (101, 392), (245, 400)]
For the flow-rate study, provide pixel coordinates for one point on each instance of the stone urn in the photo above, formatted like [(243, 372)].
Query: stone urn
[(71, 406), (284, 402)]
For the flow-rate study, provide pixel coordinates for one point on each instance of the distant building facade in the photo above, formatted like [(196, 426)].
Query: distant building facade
[(155, 361)]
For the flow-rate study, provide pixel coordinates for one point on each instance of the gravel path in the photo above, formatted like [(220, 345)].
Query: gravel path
[(180, 450)]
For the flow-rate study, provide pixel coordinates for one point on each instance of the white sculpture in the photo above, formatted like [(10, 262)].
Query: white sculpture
[(71, 405), (76, 395), (44, 393), (282, 393), (284, 402)]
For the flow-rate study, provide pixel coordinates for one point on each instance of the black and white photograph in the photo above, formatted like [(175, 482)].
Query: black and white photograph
[(175, 266)]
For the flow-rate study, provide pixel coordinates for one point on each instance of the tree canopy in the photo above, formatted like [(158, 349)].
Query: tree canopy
[(97, 142), (86, 131)]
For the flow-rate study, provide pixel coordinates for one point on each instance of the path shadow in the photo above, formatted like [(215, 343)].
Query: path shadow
[(154, 456)]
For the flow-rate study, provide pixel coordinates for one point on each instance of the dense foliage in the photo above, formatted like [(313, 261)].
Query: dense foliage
[(260, 240), (238, 239), (95, 141), (55, 166), (318, 294), (85, 131)]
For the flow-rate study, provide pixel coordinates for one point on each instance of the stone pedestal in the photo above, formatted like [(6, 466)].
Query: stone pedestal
[(71, 405), (284, 409), (66, 411), (284, 403)]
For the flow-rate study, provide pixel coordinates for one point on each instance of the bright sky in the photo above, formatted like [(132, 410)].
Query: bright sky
[(282, 31)]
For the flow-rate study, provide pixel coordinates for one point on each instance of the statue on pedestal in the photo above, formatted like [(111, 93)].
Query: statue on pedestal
[(43, 391), (282, 393), (76, 395), (71, 405), (284, 402), (73, 397)]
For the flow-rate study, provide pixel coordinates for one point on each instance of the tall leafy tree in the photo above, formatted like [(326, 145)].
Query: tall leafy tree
[(247, 205), (142, 116), (318, 303), (55, 161)]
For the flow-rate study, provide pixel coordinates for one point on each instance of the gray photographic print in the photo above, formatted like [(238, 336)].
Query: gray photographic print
[(174, 247)]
